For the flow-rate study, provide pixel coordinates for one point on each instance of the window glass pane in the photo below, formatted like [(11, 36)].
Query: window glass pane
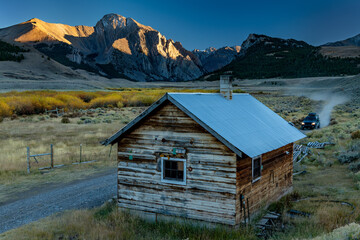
[(167, 164), (180, 166), (173, 170), (256, 168)]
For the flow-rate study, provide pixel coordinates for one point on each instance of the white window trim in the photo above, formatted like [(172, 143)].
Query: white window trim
[(252, 168), (173, 181)]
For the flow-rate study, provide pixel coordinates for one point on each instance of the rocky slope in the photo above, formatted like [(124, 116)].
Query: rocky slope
[(213, 59), (116, 47), (349, 47), (352, 41)]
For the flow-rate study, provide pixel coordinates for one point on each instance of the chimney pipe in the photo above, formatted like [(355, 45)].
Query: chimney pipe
[(226, 88)]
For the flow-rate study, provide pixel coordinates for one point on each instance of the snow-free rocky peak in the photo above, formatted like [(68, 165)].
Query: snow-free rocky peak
[(116, 46)]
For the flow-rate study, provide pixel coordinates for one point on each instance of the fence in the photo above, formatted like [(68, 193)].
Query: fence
[(51, 154), (59, 111), (28, 156)]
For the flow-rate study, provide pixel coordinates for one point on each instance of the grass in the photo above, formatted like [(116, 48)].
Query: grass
[(107, 223), (39, 131), (325, 179)]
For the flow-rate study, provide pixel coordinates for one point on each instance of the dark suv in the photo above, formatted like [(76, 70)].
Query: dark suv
[(311, 121)]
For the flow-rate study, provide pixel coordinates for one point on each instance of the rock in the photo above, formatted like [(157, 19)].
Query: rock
[(118, 46)]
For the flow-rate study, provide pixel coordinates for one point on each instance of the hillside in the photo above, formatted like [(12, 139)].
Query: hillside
[(115, 47), (349, 47), (10, 52), (267, 57)]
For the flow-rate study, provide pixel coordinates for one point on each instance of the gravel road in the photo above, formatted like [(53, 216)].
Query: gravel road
[(87, 193)]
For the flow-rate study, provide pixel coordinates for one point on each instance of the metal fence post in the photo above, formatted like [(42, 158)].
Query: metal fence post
[(51, 156), (28, 159)]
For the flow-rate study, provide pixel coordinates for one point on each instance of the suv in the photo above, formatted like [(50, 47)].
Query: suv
[(311, 121)]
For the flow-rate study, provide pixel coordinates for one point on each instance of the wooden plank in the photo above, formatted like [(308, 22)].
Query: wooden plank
[(275, 179), (138, 155), (210, 190), (197, 215)]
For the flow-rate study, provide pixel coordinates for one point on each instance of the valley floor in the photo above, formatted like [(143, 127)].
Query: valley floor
[(327, 177)]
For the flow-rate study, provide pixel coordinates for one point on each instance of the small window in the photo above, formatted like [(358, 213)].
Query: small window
[(173, 170), (256, 168)]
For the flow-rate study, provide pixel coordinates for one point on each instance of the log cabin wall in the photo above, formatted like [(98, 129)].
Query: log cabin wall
[(210, 190), (275, 181)]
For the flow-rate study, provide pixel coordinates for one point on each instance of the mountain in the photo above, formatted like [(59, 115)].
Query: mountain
[(213, 59), (115, 47), (352, 41), (262, 56), (346, 48)]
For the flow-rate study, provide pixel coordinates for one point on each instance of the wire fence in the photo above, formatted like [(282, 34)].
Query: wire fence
[(56, 158)]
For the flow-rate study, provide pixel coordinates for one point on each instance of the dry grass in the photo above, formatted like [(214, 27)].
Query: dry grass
[(108, 223), (38, 132), (327, 179)]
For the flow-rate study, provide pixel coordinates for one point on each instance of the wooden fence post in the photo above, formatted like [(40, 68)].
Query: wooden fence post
[(51, 156), (80, 151), (28, 159)]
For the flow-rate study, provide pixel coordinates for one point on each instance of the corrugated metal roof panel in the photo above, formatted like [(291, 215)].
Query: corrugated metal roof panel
[(244, 121)]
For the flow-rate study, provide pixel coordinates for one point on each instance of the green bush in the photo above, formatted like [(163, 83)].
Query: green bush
[(355, 135), (354, 166), (351, 154), (65, 120)]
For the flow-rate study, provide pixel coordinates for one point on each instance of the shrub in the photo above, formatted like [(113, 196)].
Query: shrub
[(348, 157), (87, 96), (351, 154), (13, 117), (333, 122), (65, 120), (354, 166), (5, 110), (1, 119), (106, 101), (355, 135), (71, 102), (347, 232)]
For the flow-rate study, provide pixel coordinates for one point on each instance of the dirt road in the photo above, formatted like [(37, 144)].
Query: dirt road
[(86, 193)]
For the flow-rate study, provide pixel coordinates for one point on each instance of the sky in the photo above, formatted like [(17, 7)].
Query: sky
[(199, 24)]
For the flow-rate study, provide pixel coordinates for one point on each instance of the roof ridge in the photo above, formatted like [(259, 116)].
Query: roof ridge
[(205, 93)]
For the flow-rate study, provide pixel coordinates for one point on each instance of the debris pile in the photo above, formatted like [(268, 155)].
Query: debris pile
[(268, 224), (318, 144)]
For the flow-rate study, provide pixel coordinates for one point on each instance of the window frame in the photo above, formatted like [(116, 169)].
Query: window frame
[(173, 181), (252, 168)]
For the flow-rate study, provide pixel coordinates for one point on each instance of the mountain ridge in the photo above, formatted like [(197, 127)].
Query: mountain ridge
[(115, 46), (263, 57)]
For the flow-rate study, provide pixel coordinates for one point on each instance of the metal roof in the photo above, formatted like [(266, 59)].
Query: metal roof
[(243, 124)]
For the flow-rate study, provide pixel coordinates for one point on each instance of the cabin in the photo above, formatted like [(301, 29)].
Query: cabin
[(213, 157)]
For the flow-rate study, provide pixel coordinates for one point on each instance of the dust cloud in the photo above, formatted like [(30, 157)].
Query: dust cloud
[(330, 100)]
